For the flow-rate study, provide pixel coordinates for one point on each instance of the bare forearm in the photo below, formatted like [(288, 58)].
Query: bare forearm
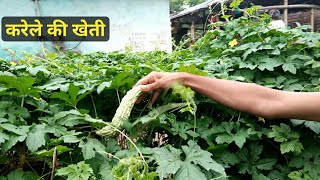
[(244, 97), (256, 99)]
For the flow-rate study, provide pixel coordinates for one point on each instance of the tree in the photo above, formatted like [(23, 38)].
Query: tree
[(179, 5)]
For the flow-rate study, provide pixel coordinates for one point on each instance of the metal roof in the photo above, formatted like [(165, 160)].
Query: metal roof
[(196, 8), (209, 3)]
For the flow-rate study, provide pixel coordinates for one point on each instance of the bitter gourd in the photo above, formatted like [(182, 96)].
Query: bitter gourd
[(122, 113)]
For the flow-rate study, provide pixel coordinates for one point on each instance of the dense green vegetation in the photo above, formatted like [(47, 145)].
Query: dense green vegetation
[(52, 106)]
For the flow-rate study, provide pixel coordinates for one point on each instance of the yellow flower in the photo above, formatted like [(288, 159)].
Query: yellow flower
[(234, 42), (13, 63), (262, 120)]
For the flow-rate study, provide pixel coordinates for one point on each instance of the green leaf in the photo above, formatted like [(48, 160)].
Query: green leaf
[(112, 146), (189, 172), (60, 150), (240, 138), (3, 137), (269, 64), (168, 159), (279, 172), (55, 84), (77, 171), (299, 175), (260, 177), (105, 170), (266, 164), (294, 87), (13, 140), (314, 126), (72, 97), (183, 129), (203, 158), (276, 51), (291, 146), (308, 161), (15, 175), (122, 79), (57, 130), (228, 132), (253, 47), (36, 137), (289, 139), (299, 57), (34, 70), (170, 162), (63, 96), (289, 67), (31, 176), (15, 129), (71, 137), (251, 162), (229, 158), (282, 133), (70, 118), (235, 4), (20, 175), (73, 92), (22, 85), (102, 86), (90, 147), (192, 69)]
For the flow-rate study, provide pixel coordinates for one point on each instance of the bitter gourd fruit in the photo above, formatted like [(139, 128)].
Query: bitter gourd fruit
[(122, 113)]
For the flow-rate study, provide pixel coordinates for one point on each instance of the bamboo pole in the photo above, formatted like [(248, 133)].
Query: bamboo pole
[(312, 19), (294, 6), (192, 33), (285, 13)]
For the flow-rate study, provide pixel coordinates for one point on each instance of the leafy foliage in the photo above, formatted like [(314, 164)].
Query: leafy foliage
[(51, 107), (170, 162), (80, 170)]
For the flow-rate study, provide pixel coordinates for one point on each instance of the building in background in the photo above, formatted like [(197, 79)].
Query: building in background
[(192, 22), (141, 25)]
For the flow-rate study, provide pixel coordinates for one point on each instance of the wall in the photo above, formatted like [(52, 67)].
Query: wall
[(142, 25), (303, 17)]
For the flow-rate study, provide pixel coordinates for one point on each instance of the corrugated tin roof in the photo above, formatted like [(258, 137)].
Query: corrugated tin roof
[(196, 8), (209, 3)]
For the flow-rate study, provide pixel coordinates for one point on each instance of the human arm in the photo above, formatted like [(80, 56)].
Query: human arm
[(247, 97)]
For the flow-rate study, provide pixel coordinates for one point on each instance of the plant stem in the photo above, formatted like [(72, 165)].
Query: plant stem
[(94, 106), (135, 146), (118, 96), (22, 101)]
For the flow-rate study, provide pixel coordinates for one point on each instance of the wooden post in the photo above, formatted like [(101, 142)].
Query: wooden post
[(204, 24), (285, 13), (218, 19), (312, 19), (192, 31)]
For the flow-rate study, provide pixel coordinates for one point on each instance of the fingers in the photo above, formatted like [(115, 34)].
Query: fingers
[(150, 78), (145, 80), (155, 96), (148, 83), (153, 86)]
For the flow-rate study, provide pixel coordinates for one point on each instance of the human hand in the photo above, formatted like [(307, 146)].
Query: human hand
[(157, 82)]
